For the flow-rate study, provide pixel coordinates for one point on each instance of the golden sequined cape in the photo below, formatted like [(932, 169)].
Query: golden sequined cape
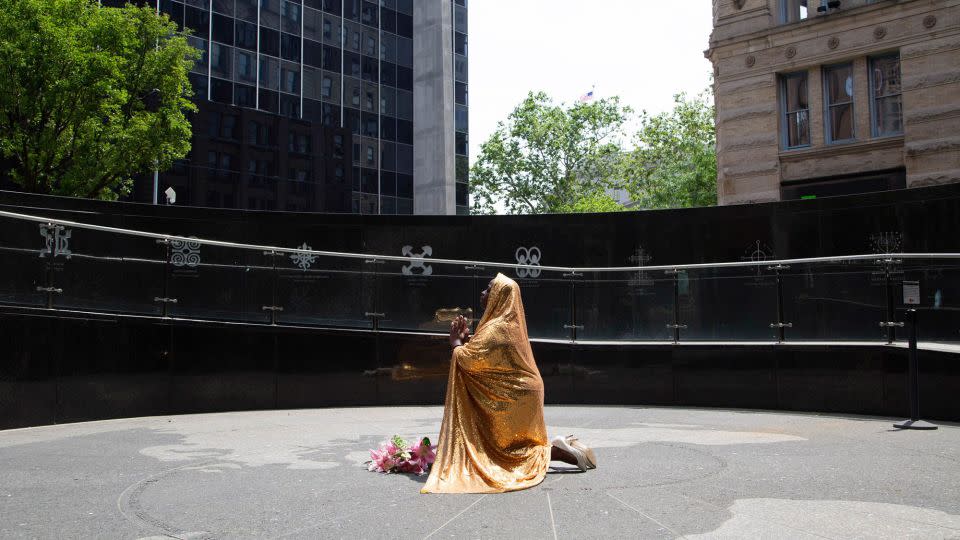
[(493, 437)]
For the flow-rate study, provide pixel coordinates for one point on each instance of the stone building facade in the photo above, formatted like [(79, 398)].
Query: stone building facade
[(834, 97)]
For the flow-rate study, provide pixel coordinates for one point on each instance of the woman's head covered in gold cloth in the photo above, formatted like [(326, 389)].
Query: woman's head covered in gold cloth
[(501, 300)]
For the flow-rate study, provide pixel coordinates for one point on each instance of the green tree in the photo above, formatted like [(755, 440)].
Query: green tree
[(674, 163), (91, 96), (546, 157), (595, 201)]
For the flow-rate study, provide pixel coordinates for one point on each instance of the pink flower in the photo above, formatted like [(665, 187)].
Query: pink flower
[(381, 460), (423, 452), (411, 466), (395, 454)]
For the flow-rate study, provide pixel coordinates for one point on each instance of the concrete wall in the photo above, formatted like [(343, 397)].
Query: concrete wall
[(433, 111), (750, 48)]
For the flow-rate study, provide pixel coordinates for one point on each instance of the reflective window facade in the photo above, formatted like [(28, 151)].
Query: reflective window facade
[(344, 66), (461, 111)]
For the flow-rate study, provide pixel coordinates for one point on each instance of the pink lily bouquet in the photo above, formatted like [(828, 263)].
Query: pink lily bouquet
[(396, 455)]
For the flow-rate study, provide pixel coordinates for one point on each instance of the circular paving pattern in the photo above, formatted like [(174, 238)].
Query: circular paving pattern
[(663, 472)]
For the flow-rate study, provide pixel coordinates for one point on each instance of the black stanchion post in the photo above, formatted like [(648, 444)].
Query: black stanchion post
[(913, 384)]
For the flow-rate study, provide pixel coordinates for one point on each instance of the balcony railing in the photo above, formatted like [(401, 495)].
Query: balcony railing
[(68, 266)]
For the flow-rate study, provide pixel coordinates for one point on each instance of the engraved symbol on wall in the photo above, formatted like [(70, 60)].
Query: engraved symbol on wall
[(56, 241), (886, 242), (531, 258), (640, 279), (303, 260), (185, 253), (418, 264), (759, 252)]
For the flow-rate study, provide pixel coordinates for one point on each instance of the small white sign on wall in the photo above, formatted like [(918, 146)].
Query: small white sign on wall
[(911, 292)]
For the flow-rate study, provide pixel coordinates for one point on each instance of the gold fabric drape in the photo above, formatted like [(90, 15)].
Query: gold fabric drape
[(493, 437)]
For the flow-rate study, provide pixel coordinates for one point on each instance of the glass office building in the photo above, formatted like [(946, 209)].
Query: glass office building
[(309, 105)]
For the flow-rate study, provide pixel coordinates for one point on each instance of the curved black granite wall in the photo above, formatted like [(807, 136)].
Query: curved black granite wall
[(58, 369), (926, 220), (61, 367)]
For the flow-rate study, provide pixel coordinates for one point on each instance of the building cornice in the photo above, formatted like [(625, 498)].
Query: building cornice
[(777, 53), (790, 156), (808, 25)]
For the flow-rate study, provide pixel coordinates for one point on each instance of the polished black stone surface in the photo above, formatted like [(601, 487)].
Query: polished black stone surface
[(104, 351), (59, 369)]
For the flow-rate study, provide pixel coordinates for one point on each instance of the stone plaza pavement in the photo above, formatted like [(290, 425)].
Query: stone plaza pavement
[(663, 473)]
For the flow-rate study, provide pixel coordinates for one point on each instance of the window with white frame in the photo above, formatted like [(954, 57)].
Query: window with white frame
[(887, 104), (796, 109), (838, 102)]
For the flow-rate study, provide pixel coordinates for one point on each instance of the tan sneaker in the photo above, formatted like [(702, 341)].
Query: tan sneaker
[(587, 451)]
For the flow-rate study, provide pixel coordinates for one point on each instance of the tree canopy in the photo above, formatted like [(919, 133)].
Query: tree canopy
[(535, 161), (91, 96), (549, 157), (674, 160)]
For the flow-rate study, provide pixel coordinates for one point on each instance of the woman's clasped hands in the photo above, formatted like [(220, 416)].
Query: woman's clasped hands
[(459, 331)]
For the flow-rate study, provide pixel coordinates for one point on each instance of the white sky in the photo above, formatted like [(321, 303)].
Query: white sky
[(641, 50)]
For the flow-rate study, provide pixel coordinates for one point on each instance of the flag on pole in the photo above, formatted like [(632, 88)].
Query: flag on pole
[(587, 97)]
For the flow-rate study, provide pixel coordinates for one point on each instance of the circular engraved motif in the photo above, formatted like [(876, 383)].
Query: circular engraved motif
[(751, 60), (791, 51), (833, 42), (929, 21), (879, 32)]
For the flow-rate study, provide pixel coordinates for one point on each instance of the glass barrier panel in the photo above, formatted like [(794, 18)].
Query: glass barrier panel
[(108, 272), (634, 306), (324, 291), (218, 283), (24, 261), (424, 297), (546, 301), (844, 301), (728, 304), (938, 311)]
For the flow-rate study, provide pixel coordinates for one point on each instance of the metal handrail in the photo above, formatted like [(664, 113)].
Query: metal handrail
[(407, 259)]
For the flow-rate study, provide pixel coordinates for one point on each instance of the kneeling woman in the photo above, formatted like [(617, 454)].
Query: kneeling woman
[(493, 437)]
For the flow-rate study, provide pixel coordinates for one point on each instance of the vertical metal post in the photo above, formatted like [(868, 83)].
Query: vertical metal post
[(165, 299), (914, 385), (780, 325), (913, 382), (676, 326), (573, 326), (891, 330), (274, 306), (376, 314), (48, 286), (890, 324), (476, 292)]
